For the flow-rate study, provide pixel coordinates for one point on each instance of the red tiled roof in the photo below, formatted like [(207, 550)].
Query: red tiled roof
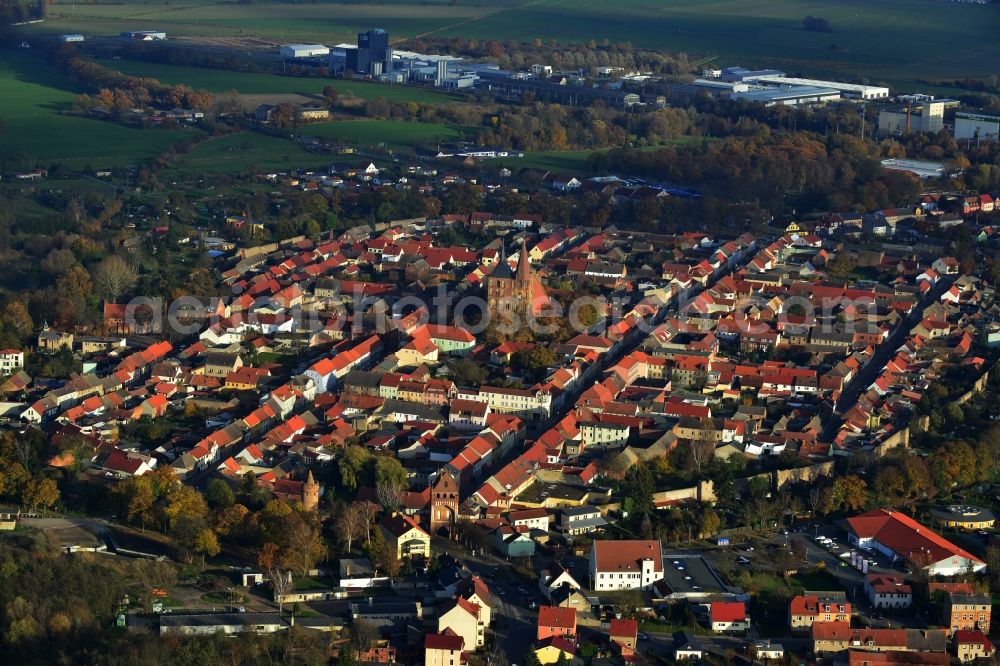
[(831, 631), (445, 641), (905, 536), (623, 628), (627, 555), (556, 616), (896, 658), (973, 637), (728, 611)]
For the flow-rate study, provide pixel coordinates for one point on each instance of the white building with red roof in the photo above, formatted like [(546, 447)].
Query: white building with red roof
[(625, 565), (11, 360), (899, 537)]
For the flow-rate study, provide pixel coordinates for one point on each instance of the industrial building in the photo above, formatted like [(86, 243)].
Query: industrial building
[(303, 50), (769, 95), (847, 90), (774, 77), (372, 56), (144, 35), (921, 117), (977, 126), (789, 95), (919, 168), (510, 88)]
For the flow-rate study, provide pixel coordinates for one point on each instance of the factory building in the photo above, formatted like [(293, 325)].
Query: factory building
[(303, 50), (789, 95), (144, 35), (372, 56), (847, 90), (921, 117), (774, 77), (976, 126), (765, 94)]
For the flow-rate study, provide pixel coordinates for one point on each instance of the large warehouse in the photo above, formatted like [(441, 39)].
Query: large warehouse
[(900, 538), (774, 77), (303, 50), (977, 126), (847, 90)]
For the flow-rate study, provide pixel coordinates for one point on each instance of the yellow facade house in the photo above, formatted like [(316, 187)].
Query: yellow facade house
[(405, 537)]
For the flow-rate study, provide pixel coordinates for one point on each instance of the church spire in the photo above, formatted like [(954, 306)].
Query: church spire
[(523, 265)]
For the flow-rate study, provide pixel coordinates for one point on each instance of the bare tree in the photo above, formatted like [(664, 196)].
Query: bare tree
[(351, 525), (702, 451), (113, 277), (389, 497), (369, 510), (815, 499), (365, 634), (281, 582)]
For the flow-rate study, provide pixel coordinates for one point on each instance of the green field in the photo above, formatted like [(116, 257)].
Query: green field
[(218, 80), (569, 161), (389, 133), (244, 153), (884, 40), (35, 132)]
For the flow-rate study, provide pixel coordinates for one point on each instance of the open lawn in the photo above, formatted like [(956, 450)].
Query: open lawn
[(35, 132), (888, 40), (569, 161), (324, 22), (219, 80), (389, 133), (246, 152)]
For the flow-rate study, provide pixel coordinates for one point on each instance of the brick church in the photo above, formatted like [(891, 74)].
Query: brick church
[(513, 294)]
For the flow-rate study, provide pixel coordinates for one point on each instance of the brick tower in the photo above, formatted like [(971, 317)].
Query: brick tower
[(444, 502), (310, 493)]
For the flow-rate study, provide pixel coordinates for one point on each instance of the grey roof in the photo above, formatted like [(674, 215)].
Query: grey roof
[(502, 270), (580, 510), (924, 640), (220, 619), (590, 523)]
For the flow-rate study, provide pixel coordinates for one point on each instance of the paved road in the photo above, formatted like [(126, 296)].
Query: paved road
[(513, 621), (883, 354)]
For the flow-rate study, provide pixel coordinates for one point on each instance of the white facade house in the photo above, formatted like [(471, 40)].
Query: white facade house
[(625, 565), (581, 520), (888, 591), (11, 360)]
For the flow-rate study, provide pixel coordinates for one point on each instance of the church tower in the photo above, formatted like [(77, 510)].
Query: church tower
[(310, 494), (444, 502), (513, 294)]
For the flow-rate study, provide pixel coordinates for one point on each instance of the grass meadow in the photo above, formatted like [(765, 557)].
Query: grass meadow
[(885, 40), (389, 133), (35, 132), (246, 152), (219, 80)]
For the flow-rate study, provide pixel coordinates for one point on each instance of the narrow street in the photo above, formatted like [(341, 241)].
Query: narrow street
[(883, 354)]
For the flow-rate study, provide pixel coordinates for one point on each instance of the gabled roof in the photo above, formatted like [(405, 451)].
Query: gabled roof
[(626, 555), (448, 640), (623, 628), (728, 611), (556, 616), (399, 524), (905, 536)]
